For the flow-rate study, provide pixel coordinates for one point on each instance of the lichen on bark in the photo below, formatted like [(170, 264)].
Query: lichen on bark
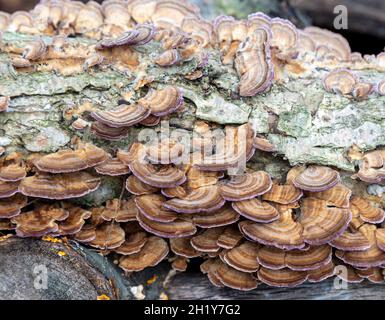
[(310, 125)]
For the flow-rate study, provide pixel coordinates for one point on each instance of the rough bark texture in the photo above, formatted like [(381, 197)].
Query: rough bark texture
[(307, 124), (310, 125)]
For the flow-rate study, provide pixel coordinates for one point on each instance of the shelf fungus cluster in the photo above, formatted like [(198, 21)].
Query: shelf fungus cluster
[(212, 194)]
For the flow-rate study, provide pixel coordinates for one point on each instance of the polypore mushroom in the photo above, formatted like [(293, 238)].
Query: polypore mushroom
[(165, 152), (200, 30), (59, 187), (234, 150), (300, 260), (317, 178), (183, 247), (235, 279), (108, 236), (253, 63), (112, 167), (125, 39), (123, 116), (256, 210), (109, 133), (35, 50), (371, 257), (165, 176), (337, 45), (11, 207), (222, 217), (209, 267), (207, 240), (74, 222), (263, 144), (321, 273), (338, 196), (230, 237), (8, 188), (133, 244), (283, 194), (367, 211), (247, 186), (197, 178), (65, 161), (340, 80), (180, 264), (322, 224), (119, 210), (154, 251), (12, 168), (351, 241), (243, 257), (174, 229), (137, 187), (284, 36), (168, 58), (205, 199), (151, 206), (39, 222), (164, 101), (176, 192), (284, 233), (282, 277)]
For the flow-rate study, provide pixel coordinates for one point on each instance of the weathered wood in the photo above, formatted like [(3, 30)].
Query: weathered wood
[(26, 264), (196, 286)]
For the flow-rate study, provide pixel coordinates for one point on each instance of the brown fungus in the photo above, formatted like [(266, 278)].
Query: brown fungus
[(340, 81), (133, 244), (300, 260), (247, 186), (154, 251), (256, 210), (204, 199), (11, 207), (317, 178), (253, 63), (108, 236), (39, 222), (123, 116), (151, 206), (59, 187), (65, 161), (175, 229)]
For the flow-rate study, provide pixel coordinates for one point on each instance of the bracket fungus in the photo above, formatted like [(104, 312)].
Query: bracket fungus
[(39, 222), (129, 77), (123, 116), (65, 161), (204, 199), (154, 251), (174, 229), (340, 81), (247, 186), (317, 178), (256, 210), (119, 210), (11, 207), (59, 187), (108, 236), (300, 260), (243, 257)]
